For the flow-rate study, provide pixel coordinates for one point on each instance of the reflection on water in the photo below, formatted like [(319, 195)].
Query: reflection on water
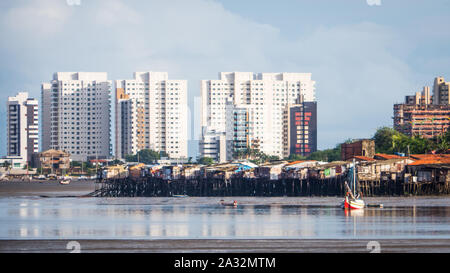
[(171, 218)]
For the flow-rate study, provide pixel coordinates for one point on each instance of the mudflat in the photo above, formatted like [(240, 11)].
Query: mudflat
[(46, 188), (230, 246)]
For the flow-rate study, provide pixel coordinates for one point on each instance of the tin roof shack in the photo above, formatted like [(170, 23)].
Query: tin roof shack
[(364, 147), (113, 172), (53, 161), (431, 170), (222, 171), (191, 171), (382, 169), (272, 171), (137, 171), (171, 172), (244, 169), (298, 169), (329, 170)]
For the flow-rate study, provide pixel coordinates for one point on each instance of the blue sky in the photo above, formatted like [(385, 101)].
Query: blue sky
[(363, 57)]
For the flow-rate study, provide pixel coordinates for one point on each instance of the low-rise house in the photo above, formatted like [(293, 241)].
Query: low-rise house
[(298, 169), (382, 169), (271, 170), (329, 170), (114, 172), (54, 161), (430, 169), (191, 171), (137, 171), (171, 172)]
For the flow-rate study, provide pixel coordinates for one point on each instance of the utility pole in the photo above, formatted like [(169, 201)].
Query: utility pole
[(96, 162)]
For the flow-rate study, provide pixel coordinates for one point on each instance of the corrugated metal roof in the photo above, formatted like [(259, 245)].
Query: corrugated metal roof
[(387, 156), (432, 161)]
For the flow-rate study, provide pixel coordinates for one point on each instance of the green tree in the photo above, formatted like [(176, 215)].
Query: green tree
[(116, 162), (205, 161), (389, 141), (385, 138), (295, 157), (327, 155), (146, 156)]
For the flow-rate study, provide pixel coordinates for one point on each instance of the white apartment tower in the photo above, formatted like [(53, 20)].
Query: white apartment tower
[(23, 130), (151, 113), (76, 114), (264, 97)]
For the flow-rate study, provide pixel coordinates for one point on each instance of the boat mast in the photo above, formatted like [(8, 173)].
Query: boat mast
[(354, 177)]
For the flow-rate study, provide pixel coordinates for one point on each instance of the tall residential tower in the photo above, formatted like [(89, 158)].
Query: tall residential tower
[(22, 129), (264, 100), (76, 114), (151, 113)]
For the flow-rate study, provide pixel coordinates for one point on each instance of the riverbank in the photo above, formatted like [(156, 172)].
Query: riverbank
[(228, 246), (46, 188)]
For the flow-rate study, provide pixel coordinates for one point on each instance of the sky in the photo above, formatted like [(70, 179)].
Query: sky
[(365, 55)]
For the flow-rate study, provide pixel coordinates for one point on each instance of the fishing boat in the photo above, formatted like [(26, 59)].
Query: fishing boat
[(352, 200), (234, 204)]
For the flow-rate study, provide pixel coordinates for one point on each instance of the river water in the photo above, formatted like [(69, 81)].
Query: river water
[(205, 218)]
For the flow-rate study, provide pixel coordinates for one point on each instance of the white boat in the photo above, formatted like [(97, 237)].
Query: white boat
[(65, 182), (350, 203)]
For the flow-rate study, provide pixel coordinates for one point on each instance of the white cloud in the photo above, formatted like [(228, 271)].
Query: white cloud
[(36, 18)]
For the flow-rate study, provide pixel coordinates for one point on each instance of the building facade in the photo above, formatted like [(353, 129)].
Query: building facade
[(213, 144), (363, 147), (440, 91), (22, 129), (265, 97), (237, 129), (53, 161), (151, 113), (424, 114), (301, 128), (76, 114)]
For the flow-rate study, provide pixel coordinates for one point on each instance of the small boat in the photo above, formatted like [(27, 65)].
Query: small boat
[(65, 182), (180, 195), (352, 203), (234, 204), (352, 200), (375, 205)]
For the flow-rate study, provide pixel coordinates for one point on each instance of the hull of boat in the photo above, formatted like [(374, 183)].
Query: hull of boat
[(353, 204)]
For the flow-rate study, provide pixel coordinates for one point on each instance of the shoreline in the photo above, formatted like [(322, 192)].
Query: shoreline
[(228, 246), (76, 188)]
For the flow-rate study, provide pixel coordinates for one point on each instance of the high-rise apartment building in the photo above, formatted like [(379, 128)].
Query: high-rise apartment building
[(424, 114), (151, 113), (301, 128), (76, 114), (22, 129), (264, 97), (440, 91)]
